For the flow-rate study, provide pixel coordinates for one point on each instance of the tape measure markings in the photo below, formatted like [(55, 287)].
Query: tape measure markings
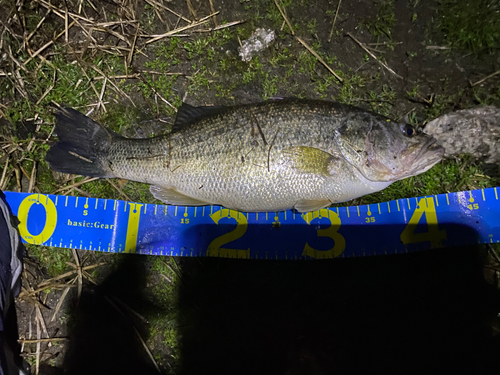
[(465, 219)]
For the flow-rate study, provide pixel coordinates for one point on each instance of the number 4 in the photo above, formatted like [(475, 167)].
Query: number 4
[(434, 235)]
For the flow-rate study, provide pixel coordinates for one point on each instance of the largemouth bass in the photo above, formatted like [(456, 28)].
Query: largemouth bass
[(268, 156)]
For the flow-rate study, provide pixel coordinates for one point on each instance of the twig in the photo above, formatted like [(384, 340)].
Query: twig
[(334, 19), (373, 56), (319, 58), (485, 78), (285, 17)]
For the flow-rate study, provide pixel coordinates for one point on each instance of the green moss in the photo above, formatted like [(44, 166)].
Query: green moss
[(52, 259), (165, 295)]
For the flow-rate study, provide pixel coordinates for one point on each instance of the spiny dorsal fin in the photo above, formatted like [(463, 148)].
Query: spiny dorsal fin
[(187, 114)]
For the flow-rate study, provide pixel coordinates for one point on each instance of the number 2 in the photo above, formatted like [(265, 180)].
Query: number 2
[(215, 247)]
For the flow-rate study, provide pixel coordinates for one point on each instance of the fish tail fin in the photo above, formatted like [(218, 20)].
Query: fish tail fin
[(82, 147)]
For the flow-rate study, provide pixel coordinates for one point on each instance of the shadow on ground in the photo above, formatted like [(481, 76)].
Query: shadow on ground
[(103, 339), (416, 313), (425, 312)]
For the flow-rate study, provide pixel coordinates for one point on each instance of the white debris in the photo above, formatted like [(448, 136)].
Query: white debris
[(473, 131), (259, 41)]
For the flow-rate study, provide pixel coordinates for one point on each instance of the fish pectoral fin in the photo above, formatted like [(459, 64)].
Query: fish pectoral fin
[(173, 197), (308, 159), (307, 205)]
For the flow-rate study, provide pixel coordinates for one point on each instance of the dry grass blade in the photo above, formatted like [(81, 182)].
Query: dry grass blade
[(38, 347), (127, 307), (285, 17), (319, 58), (373, 56), (191, 9), (4, 172), (220, 27), (155, 38), (76, 184), (70, 273), (27, 39), (79, 273), (60, 302), (212, 9), (485, 78), (137, 334), (113, 84), (100, 103), (120, 191), (38, 290), (36, 341), (157, 93), (32, 179), (334, 19), (156, 4)]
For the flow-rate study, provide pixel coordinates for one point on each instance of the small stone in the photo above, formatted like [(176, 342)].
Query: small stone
[(258, 41)]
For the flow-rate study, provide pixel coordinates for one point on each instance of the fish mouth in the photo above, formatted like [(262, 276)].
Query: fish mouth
[(429, 154)]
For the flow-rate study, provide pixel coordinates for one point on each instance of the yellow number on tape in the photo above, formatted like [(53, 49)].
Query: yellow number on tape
[(330, 232), (215, 247), (50, 221), (434, 235)]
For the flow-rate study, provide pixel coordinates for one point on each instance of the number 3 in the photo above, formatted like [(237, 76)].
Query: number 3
[(330, 232)]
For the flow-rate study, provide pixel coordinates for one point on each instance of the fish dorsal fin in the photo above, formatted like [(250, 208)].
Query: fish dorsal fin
[(187, 114), (173, 197), (308, 159)]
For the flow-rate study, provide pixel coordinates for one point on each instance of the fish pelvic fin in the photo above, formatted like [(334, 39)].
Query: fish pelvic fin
[(307, 205), (82, 147), (173, 197)]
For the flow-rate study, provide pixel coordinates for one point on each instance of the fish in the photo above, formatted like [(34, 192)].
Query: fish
[(266, 156)]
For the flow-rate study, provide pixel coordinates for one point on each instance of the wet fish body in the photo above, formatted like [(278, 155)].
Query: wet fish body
[(268, 156)]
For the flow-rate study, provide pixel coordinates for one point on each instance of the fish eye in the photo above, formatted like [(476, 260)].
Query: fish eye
[(408, 130)]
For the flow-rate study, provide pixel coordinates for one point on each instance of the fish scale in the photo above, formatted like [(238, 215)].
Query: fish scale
[(267, 156)]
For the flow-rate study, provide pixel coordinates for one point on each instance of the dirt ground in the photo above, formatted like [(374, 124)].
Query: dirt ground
[(430, 312)]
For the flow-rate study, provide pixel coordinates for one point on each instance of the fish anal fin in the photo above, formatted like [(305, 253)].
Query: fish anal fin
[(307, 205), (173, 197)]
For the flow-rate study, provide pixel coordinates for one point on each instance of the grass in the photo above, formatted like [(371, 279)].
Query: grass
[(474, 26)]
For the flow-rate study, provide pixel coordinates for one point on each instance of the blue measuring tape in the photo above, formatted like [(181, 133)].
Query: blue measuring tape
[(399, 226)]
